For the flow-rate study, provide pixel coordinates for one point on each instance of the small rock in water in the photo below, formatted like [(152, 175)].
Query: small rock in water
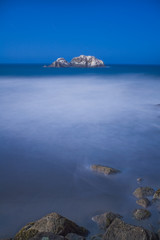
[(105, 219), (104, 169), (141, 214), (139, 180), (157, 194), (144, 202), (143, 192)]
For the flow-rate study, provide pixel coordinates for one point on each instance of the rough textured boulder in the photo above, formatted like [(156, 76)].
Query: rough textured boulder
[(144, 202), (59, 63), (52, 223), (157, 194), (74, 236), (104, 169), (143, 192), (105, 219), (141, 214), (86, 61), (119, 230), (47, 236)]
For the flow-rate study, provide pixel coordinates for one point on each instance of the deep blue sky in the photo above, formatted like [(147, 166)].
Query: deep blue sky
[(116, 31)]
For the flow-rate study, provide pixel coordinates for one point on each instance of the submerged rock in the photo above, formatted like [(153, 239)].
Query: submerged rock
[(139, 180), (59, 63), (105, 219), (143, 192), (86, 61), (52, 223), (82, 62), (119, 230), (104, 169), (144, 202), (157, 194), (141, 214)]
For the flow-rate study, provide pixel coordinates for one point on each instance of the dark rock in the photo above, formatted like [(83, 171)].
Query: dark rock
[(143, 192), (157, 194), (74, 236), (52, 223), (104, 169), (96, 237), (105, 219), (47, 236), (86, 61), (119, 230), (60, 63), (141, 214), (144, 202)]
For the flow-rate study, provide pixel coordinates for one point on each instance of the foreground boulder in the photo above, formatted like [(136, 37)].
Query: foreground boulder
[(105, 219), (52, 223), (104, 169), (80, 62), (142, 192), (141, 214), (119, 230)]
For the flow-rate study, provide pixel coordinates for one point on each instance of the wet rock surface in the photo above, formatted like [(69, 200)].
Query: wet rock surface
[(104, 169), (47, 236), (74, 236), (157, 194), (142, 192), (119, 230), (141, 214), (105, 219), (144, 202), (52, 223)]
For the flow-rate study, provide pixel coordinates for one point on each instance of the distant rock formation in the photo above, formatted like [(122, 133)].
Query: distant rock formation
[(82, 62)]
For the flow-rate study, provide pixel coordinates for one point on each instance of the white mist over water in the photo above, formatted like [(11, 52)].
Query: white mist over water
[(52, 129)]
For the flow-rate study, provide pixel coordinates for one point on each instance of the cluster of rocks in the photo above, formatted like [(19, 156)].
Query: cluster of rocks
[(56, 227), (81, 62), (112, 227)]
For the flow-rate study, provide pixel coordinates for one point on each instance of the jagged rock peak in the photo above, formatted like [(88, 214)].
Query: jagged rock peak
[(81, 61)]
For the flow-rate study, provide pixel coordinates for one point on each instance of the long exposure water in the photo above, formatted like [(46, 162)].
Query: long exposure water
[(55, 123)]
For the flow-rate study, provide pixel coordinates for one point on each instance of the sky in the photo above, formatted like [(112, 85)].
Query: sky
[(118, 32)]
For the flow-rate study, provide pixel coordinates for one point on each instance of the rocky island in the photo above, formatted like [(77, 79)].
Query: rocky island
[(79, 62)]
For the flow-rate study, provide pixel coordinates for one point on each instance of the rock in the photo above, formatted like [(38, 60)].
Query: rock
[(144, 202), (119, 230), (157, 194), (96, 237), (139, 180), (143, 192), (104, 169), (82, 61), (60, 63), (105, 219), (74, 236), (52, 223), (141, 214), (86, 61), (47, 236)]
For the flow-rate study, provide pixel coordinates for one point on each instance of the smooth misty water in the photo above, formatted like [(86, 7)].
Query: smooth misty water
[(55, 123)]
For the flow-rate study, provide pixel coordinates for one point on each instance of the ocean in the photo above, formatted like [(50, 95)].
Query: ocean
[(56, 123)]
